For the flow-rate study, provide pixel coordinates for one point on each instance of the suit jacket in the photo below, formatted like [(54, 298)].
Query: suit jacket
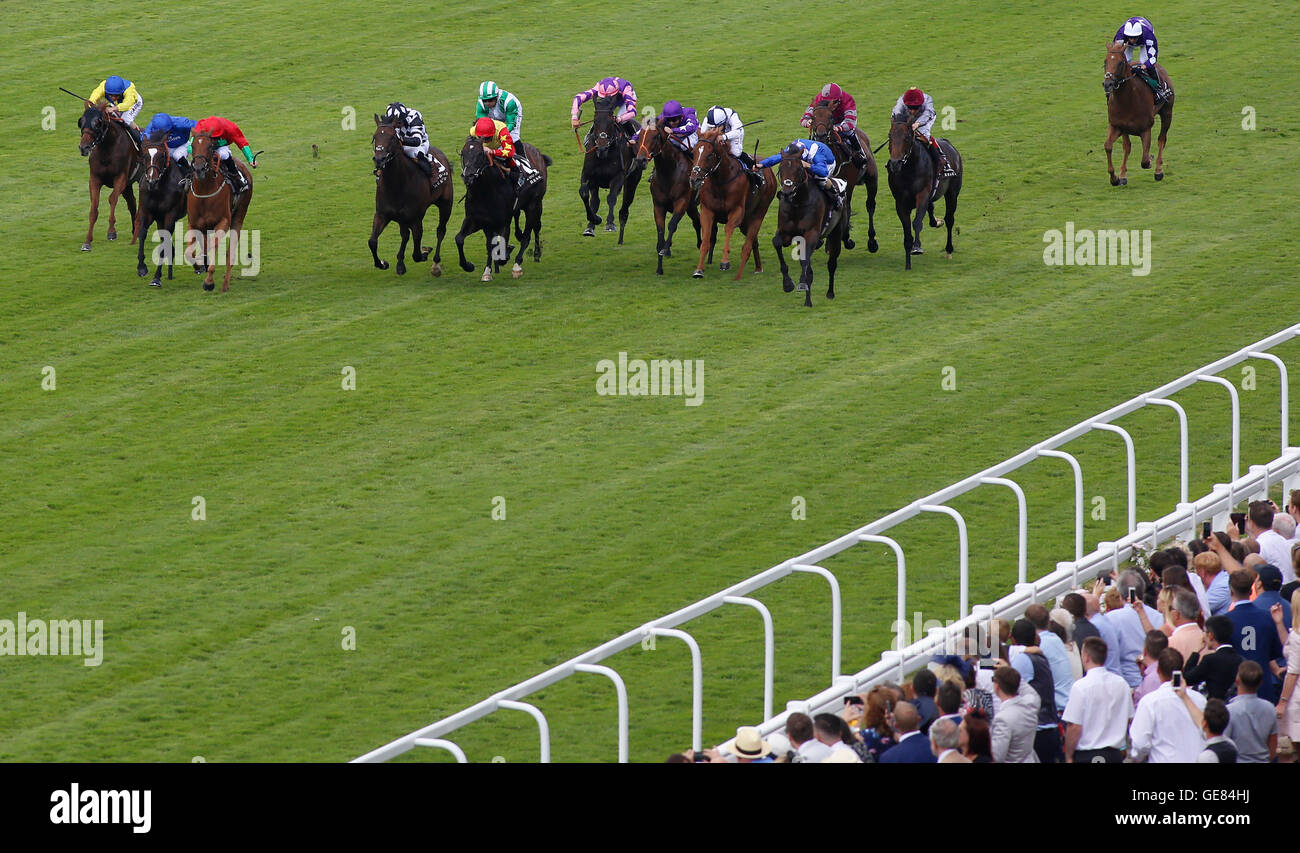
[(1015, 727), (1218, 670), (1255, 638), (914, 750)]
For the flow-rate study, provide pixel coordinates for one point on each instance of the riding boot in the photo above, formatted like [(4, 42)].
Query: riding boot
[(856, 156), (235, 175), (425, 164), (833, 193), (942, 167), (187, 172)]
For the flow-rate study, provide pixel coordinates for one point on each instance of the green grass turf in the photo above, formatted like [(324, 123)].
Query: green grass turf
[(371, 508)]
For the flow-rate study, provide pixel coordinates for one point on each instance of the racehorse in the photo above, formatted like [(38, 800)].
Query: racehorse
[(403, 193), (670, 187), (215, 211), (725, 193), (162, 203), (911, 180), (608, 164), (823, 130), (1132, 110), (490, 205), (113, 159), (804, 217)]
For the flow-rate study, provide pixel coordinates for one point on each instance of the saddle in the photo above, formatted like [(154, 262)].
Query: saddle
[(1158, 83)]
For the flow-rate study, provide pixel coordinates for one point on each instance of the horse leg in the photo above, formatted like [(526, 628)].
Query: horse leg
[(377, 228), (923, 202), (94, 211), (1146, 148), (707, 226), (585, 193), (779, 242), (524, 239), (444, 212), (694, 213), (112, 207), (832, 261), (805, 266), (873, 181), (629, 193), (1123, 166), (733, 222), (848, 220), (949, 213), (661, 241), (401, 249), (1166, 118), (713, 238), (130, 198), (1111, 135), (419, 254), (611, 199), (905, 217), (209, 253), (140, 234), (465, 230)]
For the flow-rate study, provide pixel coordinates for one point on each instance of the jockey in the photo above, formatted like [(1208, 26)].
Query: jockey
[(223, 132), (819, 160), (917, 109), (844, 112), (733, 131), (623, 93), (1138, 34), (125, 100), (177, 129), (681, 124), (411, 133), (495, 102), (498, 144)]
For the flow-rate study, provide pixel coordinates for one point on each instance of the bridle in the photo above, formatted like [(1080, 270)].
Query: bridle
[(789, 189), (387, 151), (98, 131), (1112, 82), (702, 175), (209, 161), (153, 173), (896, 164)]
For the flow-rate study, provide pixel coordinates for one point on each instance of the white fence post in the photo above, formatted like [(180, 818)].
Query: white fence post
[(620, 691), (769, 647), (835, 614), (1078, 497)]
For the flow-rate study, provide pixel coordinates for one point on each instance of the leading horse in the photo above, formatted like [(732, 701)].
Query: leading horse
[(1131, 109), (608, 164), (113, 159), (162, 203), (491, 204), (215, 211), (404, 193), (911, 180), (804, 217), (823, 130)]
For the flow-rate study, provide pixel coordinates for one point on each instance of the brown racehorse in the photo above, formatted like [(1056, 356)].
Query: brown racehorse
[(403, 193), (113, 162), (725, 193), (823, 130), (1131, 109), (804, 218), (670, 187), (162, 203), (911, 181), (214, 212)]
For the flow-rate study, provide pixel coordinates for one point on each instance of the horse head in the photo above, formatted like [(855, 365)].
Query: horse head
[(1116, 67), (649, 143), (473, 160), (823, 121), (94, 125), (203, 155), (385, 143), (604, 128), (156, 160), (792, 173), (707, 156), (901, 144)]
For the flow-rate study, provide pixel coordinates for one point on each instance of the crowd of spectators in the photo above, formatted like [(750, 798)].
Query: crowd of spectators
[(1189, 657)]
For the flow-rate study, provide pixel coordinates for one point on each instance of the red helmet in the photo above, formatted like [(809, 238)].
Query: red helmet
[(913, 98), (485, 127), (831, 92)]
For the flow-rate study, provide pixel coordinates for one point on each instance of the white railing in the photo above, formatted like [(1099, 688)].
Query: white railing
[(895, 664)]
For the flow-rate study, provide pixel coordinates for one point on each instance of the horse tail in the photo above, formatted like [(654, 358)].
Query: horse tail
[(548, 160)]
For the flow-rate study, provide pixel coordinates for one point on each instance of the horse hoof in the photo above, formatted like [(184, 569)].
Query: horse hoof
[(849, 244), (517, 272), (948, 255), (209, 285), (1114, 181), (590, 232), (85, 247), (698, 274), (156, 283), (803, 286), (487, 274), (610, 226), (830, 295), (401, 269), (725, 265), (1146, 165), (436, 270), (872, 246), (1160, 176), (1123, 182), (141, 271), (665, 253), (467, 266), (938, 223), (917, 250), (112, 235), (787, 285)]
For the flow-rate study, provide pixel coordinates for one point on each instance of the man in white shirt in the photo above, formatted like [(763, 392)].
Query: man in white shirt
[(1129, 634), (1272, 547), (808, 750), (1163, 731), (1096, 717)]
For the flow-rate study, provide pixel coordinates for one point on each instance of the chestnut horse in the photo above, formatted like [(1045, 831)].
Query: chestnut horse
[(823, 130), (805, 219), (113, 159), (670, 187), (911, 180), (215, 213), (162, 203), (1131, 109), (725, 193), (403, 193)]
